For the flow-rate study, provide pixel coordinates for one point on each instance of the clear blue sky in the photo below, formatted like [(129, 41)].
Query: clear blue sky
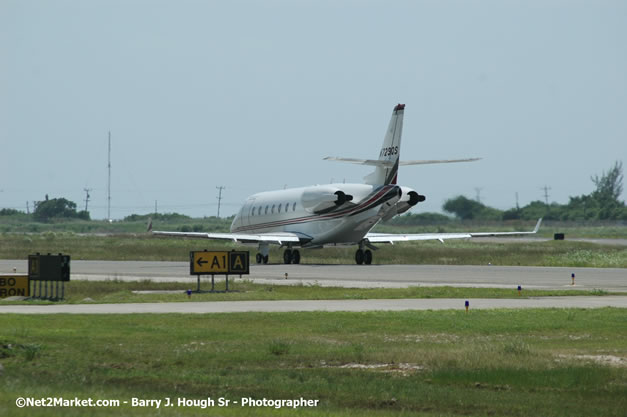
[(251, 95)]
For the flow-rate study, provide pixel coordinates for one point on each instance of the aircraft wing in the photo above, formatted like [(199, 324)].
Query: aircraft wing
[(392, 237), (277, 238)]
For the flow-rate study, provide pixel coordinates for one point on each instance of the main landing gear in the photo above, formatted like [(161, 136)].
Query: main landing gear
[(363, 256), (261, 258), (291, 256)]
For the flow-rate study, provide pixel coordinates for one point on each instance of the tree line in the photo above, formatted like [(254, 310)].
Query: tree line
[(602, 204)]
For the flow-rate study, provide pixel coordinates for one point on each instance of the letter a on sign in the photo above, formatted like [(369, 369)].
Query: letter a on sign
[(238, 262), (238, 265)]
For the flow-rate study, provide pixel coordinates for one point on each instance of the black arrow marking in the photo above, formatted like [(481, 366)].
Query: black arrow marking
[(200, 262)]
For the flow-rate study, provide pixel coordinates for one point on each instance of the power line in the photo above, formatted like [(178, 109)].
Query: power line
[(87, 190), (109, 182), (220, 188), (478, 191), (546, 194)]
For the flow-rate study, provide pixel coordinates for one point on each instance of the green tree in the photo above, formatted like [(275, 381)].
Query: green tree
[(57, 208), (467, 209), (607, 193)]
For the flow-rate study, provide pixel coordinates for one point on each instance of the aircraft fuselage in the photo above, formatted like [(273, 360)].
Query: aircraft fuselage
[(320, 215)]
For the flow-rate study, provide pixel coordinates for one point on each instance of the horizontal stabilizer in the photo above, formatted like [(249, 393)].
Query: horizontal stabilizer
[(375, 162), (437, 161)]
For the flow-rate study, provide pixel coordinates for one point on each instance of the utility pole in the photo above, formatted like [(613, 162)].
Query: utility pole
[(220, 188), (87, 190), (155, 206), (27, 208), (546, 194), (109, 183), (478, 191)]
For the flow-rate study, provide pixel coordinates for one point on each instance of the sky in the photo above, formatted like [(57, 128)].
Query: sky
[(252, 95)]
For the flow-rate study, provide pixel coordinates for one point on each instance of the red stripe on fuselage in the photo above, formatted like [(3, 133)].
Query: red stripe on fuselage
[(346, 212)]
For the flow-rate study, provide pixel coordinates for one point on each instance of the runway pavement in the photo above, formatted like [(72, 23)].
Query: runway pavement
[(361, 276), (319, 305)]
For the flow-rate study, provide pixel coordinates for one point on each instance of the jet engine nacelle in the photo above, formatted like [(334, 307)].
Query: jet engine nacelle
[(409, 198), (322, 199)]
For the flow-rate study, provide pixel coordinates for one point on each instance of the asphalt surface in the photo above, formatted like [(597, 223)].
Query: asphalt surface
[(320, 305), (361, 276)]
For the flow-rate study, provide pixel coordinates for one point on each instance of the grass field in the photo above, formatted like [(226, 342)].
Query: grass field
[(22, 224), (455, 252), (115, 291), (548, 362), (551, 362)]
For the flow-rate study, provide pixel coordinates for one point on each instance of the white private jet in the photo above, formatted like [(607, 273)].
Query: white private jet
[(335, 214)]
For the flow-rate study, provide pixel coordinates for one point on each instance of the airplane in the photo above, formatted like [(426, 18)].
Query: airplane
[(336, 214)]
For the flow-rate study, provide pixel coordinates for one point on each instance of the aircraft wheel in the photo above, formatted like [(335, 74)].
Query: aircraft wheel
[(367, 257), (259, 258), (359, 257), (265, 259), (287, 256), (295, 256)]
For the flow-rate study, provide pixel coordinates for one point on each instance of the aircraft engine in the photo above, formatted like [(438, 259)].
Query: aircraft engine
[(324, 199), (409, 198)]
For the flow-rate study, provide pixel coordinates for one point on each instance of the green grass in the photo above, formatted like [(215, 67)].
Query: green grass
[(455, 252), (115, 291), (609, 230), (489, 362)]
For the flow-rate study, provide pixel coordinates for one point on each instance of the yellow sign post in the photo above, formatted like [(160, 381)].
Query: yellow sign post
[(218, 263), (14, 285), (209, 262)]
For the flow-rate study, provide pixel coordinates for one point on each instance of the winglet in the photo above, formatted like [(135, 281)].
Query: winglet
[(535, 230)]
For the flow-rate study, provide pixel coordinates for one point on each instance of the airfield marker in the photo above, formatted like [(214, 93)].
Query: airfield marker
[(467, 304), (572, 276), (519, 290)]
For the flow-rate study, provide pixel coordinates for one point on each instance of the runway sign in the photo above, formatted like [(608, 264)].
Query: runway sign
[(49, 267), (218, 262), (12, 285)]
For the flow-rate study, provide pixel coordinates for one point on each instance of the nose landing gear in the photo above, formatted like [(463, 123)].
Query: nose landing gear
[(261, 259), (291, 256)]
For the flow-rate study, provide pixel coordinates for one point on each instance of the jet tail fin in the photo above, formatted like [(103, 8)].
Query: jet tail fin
[(386, 167)]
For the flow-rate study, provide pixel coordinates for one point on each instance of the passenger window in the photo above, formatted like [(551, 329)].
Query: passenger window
[(294, 207), (279, 210), (253, 212), (266, 209), (272, 211), (287, 207)]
